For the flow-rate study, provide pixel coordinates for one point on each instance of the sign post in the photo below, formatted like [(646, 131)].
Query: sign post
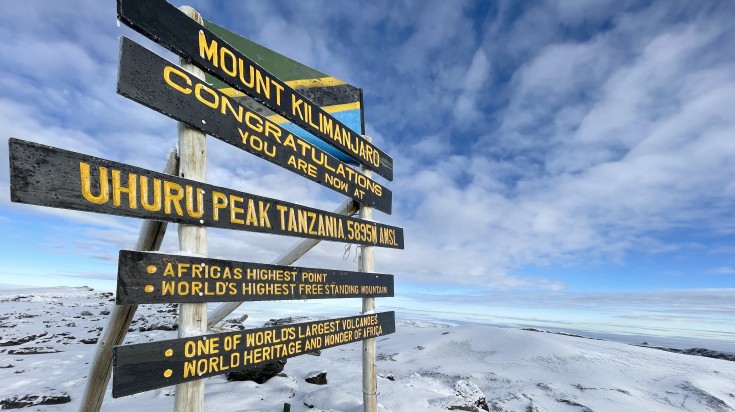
[(192, 239), (366, 264)]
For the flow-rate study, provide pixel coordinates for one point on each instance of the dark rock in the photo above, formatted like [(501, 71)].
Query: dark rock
[(158, 326), (317, 378), (707, 353), (482, 404), (468, 397), (560, 333), (33, 350), (104, 312), (573, 403), (21, 340), (286, 321), (315, 353), (386, 356), (308, 405), (86, 313), (583, 388), (531, 408), (445, 333), (17, 402), (234, 324), (258, 373), (463, 408), (391, 378), (420, 347), (88, 341), (6, 366)]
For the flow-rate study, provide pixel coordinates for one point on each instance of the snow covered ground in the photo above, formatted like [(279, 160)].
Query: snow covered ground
[(47, 339)]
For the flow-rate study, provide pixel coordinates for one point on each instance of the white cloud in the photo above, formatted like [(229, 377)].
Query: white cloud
[(724, 270), (467, 110)]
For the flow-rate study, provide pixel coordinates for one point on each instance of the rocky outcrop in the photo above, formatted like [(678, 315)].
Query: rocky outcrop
[(260, 373), (24, 401), (317, 378)]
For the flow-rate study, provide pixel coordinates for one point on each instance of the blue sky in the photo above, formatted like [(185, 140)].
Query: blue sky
[(573, 157)]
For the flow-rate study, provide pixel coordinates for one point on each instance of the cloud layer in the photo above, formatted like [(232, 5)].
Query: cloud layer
[(525, 135)]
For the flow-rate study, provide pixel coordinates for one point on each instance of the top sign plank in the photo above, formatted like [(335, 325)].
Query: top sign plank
[(164, 24)]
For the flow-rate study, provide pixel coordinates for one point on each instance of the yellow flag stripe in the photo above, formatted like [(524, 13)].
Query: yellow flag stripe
[(303, 83), (278, 119)]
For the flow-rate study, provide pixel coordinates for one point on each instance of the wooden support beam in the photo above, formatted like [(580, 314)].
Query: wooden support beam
[(149, 239), (296, 251)]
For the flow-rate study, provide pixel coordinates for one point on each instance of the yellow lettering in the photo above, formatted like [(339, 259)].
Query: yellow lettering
[(219, 201), (232, 70), (131, 189), (199, 212), (167, 78), (251, 219), (86, 180), (208, 52), (234, 209), (263, 213), (172, 195), (156, 205), (198, 93)]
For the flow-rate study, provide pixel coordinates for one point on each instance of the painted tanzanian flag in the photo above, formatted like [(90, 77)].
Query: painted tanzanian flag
[(341, 100)]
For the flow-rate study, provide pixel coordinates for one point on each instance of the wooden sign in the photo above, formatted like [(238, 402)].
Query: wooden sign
[(147, 366), (164, 24), (46, 176), (154, 82), (159, 278)]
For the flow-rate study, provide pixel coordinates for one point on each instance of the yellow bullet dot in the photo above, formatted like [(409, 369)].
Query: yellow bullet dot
[(152, 269), (168, 373), (148, 288), (169, 352)]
